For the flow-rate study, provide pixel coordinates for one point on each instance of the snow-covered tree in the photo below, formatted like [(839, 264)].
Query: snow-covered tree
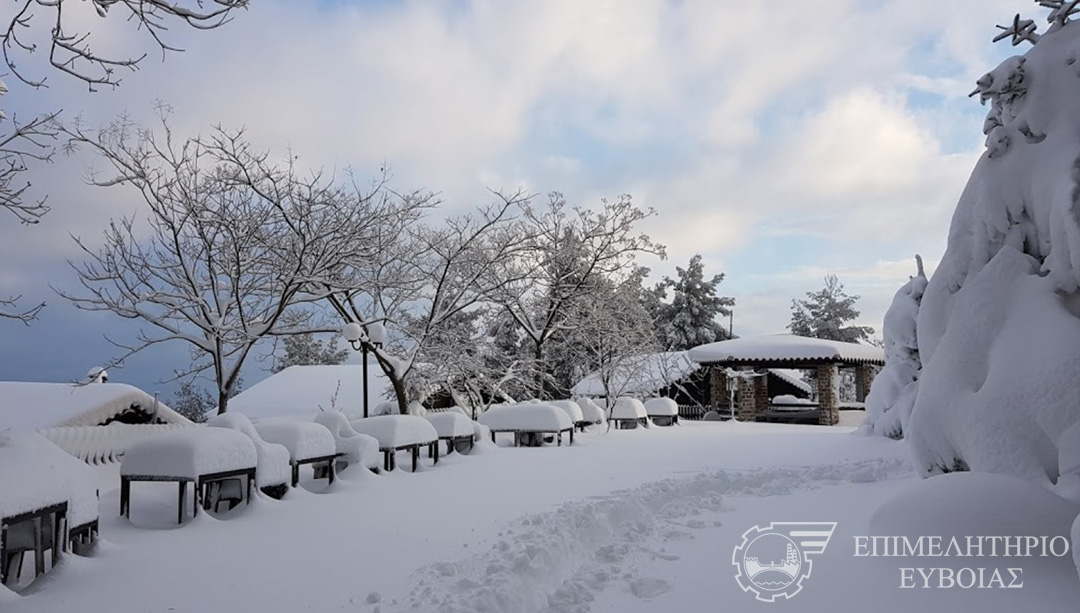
[(232, 248), (892, 395), (192, 401), (428, 277), (826, 313), (72, 48), (306, 350), (691, 317), (570, 252)]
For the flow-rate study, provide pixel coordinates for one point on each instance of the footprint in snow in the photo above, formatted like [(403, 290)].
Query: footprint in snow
[(648, 587)]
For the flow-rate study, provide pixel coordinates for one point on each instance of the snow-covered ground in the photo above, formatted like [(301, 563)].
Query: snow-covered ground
[(639, 520)]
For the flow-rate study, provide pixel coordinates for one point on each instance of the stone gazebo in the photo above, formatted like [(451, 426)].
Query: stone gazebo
[(757, 353)]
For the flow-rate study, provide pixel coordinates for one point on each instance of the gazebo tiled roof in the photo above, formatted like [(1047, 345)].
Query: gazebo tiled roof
[(785, 351)]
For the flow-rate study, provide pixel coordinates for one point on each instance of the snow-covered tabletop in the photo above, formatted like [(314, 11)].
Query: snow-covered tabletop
[(35, 473), (190, 453), (628, 408), (526, 417), (397, 431), (273, 459), (450, 424), (573, 411), (305, 440), (661, 407)]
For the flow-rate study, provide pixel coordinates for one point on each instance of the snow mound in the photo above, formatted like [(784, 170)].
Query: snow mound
[(273, 459), (590, 411), (527, 416), (789, 399), (661, 407), (35, 473), (394, 431), (303, 439), (450, 424), (999, 321), (628, 408), (974, 504), (573, 410), (357, 448), (189, 453)]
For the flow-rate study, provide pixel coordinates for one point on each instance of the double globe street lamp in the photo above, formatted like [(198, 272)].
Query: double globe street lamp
[(362, 338)]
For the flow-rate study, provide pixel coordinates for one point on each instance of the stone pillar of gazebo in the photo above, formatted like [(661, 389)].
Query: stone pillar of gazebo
[(761, 394), (828, 395), (747, 400), (864, 377), (718, 390)]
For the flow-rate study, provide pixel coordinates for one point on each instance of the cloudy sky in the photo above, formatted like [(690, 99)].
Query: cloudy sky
[(782, 141)]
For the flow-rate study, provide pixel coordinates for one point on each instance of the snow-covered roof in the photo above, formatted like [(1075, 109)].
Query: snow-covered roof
[(661, 407), (34, 473), (785, 349), (628, 408), (189, 453), (792, 377), (527, 416), (640, 375), (30, 406), (393, 431), (450, 424), (304, 390)]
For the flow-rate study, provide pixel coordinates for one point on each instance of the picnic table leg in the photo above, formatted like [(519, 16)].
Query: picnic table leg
[(571, 436), (39, 550), (435, 446), (415, 456), (250, 485), (125, 497), (295, 474), (181, 494)]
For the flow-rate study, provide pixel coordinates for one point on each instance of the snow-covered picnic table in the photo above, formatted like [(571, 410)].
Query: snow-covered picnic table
[(400, 432), (628, 413), (43, 491), (307, 442), (590, 411), (208, 457), (352, 446), (529, 422), (662, 411), (454, 428), (573, 411)]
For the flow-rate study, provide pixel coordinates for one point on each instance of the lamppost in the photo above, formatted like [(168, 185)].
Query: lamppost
[(362, 337)]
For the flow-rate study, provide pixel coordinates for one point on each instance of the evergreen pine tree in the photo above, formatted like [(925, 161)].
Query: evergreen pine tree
[(824, 313)]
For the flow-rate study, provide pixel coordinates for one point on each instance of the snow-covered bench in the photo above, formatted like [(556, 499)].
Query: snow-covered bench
[(48, 502), (529, 422), (662, 411), (352, 447), (573, 411), (400, 433), (307, 442), (628, 413), (454, 428), (590, 411), (272, 474), (210, 458)]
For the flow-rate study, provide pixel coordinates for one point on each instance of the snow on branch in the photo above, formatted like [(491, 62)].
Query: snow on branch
[(70, 48), (1020, 30)]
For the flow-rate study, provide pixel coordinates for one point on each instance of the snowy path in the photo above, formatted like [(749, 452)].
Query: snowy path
[(622, 521)]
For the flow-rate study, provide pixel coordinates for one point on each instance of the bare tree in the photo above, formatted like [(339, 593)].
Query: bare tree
[(432, 276), (236, 250), (70, 43), (22, 143), (571, 252)]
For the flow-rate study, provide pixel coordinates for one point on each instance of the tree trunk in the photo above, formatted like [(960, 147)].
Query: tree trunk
[(223, 401), (399, 393), (538, 357)]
